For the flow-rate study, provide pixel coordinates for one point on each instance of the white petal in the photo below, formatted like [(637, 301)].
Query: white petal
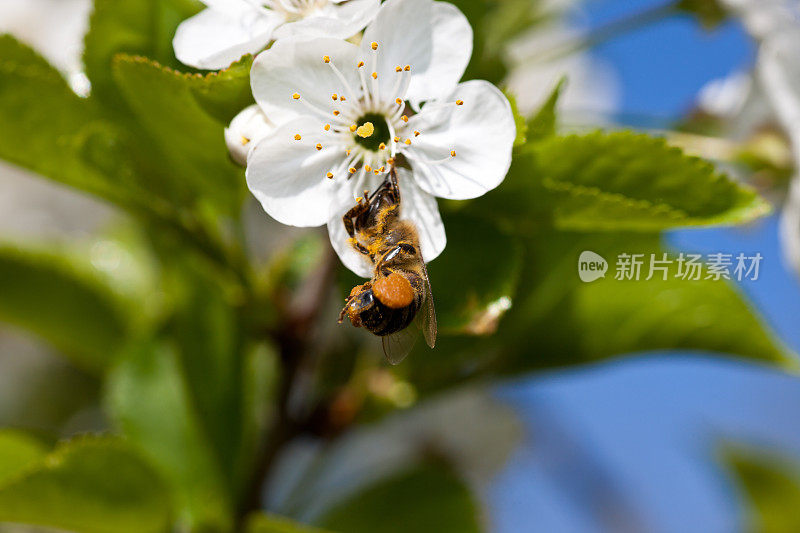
[(339, 21), (481, 131), (435, 38), (214, 39), (779, 71), (288, 176), (790, 225), (244, 132), (421, 208), (294, 66)]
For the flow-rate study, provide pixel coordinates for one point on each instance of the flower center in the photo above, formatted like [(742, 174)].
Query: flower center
[(373, 131)]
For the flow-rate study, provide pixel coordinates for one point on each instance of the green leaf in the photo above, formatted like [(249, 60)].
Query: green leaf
[(773, 487), (91, 485), (70, 309), (54, 134), (543, 123), (472, 295), (614, 182), (149, 400), (190, 143), (574, 321), (137, 27), (629, 181), (428, 498), (270, 523), (519, 120), (18, 451), (224, 93)]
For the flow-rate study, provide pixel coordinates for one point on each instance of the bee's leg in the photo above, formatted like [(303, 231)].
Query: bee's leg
[(393, 184), (350, 227)]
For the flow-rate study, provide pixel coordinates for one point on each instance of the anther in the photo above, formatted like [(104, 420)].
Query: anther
[(327, 127), (334, 96), (319, 146), (244, 140), (397, 139), (398, 101), (297, 137), (353, 128), (352, 170), (374, 75), (366, 130), (404, 118), (329, 175), (347, 152), (416, 134), (360, 64), (374, 45), (390, 161), (342, 98), (326, 59), (407, 68), (459, 102), (382, 146), (368, 168), (408, 142), (398, 68), (296, 96), (375, 171), (335, 112), (452, 153), (382, 169)]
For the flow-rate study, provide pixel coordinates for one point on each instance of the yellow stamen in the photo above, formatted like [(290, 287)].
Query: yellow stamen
[(390, 161), (334, 96), (374, 75), (368, 168), (353, 128), (404, 118), (319, 147), (408, 142), (352, 170), (452, 153), (297, 137), (342, 98), (382, 168), (459, 102), (347, 152), (327, 127), (375, 171), (329, 175), (326, 59), (398, 68), (366, 130), (296, 96), (416, 134), (397, 139), (407, 68), (382, 146), (244, 140), (374, 45), (398, 101), (360, 64), (335, 112)]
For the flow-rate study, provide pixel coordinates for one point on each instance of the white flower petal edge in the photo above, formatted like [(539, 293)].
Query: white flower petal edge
[(340, 21), (480, 132), (290, 79), (215, 38), (790, 225), (244, 132), (434, 37), (417, 206), (287, 174)]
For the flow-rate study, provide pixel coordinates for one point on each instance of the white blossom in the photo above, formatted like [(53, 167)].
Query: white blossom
[(228, 29), (244, 132), (346, 113)]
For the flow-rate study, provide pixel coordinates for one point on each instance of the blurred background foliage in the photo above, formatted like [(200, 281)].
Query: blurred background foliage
[(204, 379)]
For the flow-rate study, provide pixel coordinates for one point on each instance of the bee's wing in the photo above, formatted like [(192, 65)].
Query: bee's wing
[(427, 315), (397, 346)]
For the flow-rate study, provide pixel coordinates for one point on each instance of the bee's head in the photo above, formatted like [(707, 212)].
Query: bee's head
[(361, 298)]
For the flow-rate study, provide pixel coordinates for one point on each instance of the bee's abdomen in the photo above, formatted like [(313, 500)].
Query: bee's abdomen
[(382, 320)]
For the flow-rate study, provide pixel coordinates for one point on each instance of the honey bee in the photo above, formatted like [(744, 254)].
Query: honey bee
[(399, 289)]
